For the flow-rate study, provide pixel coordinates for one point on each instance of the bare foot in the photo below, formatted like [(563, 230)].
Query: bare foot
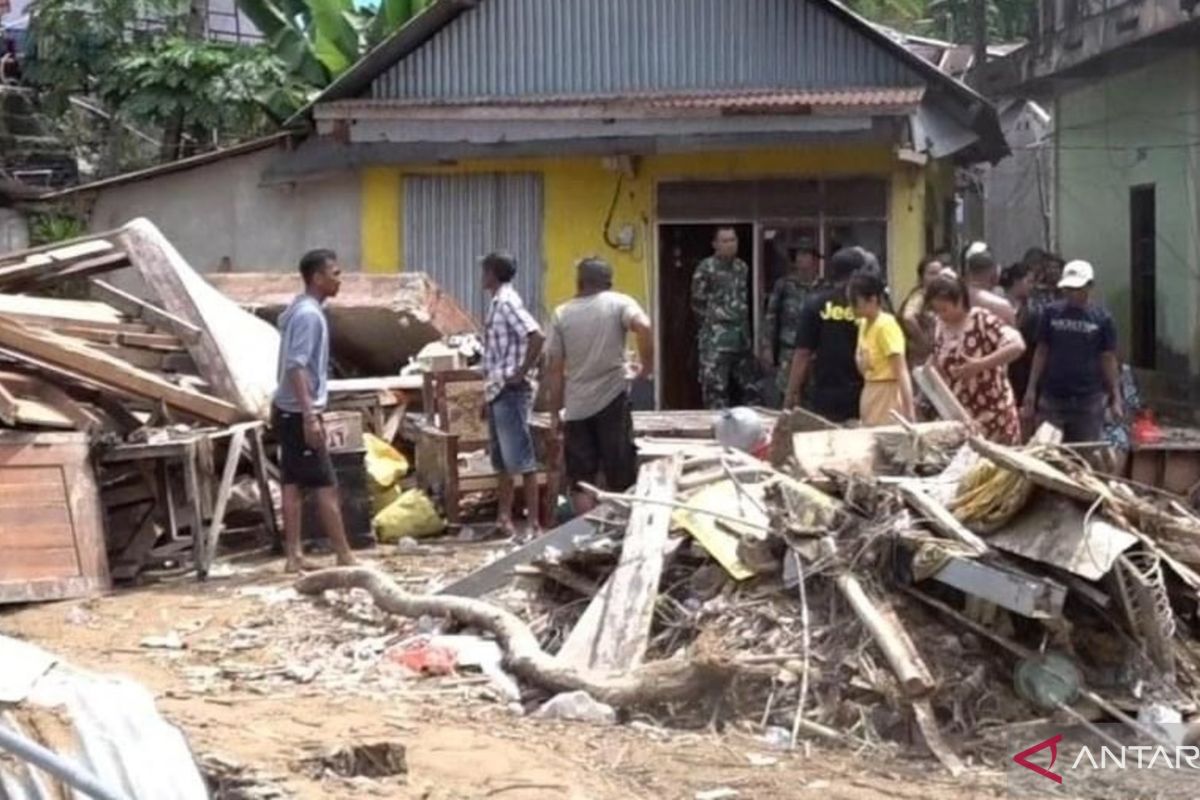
[(347, 560), (294, 567)]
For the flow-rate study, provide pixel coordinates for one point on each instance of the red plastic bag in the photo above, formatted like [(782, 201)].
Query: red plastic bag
[(423, 658), (1145, 429)]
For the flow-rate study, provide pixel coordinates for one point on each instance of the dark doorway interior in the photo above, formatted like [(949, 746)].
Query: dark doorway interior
[(681, 248), (1142, 280)]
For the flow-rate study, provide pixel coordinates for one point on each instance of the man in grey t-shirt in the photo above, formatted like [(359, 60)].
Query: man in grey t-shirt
[(588, 381), (302, 395)]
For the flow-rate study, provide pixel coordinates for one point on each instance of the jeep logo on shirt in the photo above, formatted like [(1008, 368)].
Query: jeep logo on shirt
[(837, 313)]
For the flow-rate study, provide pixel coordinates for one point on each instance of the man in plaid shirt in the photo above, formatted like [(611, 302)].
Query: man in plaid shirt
[(512, 347)]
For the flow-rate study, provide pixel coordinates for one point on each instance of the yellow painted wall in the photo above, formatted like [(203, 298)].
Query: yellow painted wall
[(382, 219), (579, 191)]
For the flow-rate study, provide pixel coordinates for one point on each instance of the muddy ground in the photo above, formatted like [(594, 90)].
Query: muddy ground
[(266, 679)]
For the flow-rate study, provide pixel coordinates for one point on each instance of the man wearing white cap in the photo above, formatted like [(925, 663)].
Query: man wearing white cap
[(1075, 369)]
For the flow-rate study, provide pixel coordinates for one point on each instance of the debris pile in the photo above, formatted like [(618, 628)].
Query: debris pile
[(874, 588), (130, 393)]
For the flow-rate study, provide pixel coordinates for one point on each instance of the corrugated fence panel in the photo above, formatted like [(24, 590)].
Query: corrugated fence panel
[(451, 221), (509, 48)]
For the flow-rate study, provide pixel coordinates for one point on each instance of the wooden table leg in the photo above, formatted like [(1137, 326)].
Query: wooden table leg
[(191, 471), (259, 455), (232, 458)]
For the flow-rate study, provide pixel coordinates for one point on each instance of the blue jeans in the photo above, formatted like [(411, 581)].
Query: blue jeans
[(508, 426)]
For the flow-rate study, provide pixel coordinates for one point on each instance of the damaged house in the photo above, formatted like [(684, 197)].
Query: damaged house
[(564, 129), (1122, 83)]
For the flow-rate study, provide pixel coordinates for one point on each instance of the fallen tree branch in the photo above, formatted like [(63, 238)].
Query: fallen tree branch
[(655, 682)]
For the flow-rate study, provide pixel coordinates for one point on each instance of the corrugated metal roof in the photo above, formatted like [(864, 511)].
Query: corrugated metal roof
[(752, 99), (108, 726), (503, 48)]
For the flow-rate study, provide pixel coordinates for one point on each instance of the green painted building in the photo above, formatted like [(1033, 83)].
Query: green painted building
[(1123, 170)]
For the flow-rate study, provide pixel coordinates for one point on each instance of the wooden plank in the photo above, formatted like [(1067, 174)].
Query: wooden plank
[(120, 336), (58, 252), (35, 414), (614, 631), (56, 311), (152, 360), (935, 388), (940, 517), (1037, 470), (47, 269), (152, 314), (109, 371), (40, 591), (38, 537), (23, 495), (8, 405), (43, 403), (85, 268), (217, 526), (55, 562)]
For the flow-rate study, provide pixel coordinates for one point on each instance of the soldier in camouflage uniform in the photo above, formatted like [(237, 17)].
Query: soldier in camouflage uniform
[(782, 322), (721, 302)]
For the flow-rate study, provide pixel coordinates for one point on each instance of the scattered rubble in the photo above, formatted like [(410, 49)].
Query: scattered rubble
[(880, 596)]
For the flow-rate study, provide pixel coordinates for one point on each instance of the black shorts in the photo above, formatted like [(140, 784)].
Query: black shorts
[(603, 444), (299, 464)]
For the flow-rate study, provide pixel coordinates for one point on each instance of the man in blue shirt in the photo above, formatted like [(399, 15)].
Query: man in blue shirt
[(296, 411), (1075, 376)]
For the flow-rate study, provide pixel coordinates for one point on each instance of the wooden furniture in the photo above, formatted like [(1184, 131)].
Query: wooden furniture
[(455, 427), (51, 524), (1171, 464), (188, 493)]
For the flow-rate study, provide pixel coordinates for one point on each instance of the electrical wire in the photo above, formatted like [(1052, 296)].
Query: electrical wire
[(612, 209)]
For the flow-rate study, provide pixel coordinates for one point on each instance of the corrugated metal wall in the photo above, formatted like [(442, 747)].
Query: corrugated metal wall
[(520, 47), (451, 221)]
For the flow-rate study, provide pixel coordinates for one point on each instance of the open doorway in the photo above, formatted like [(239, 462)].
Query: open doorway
[(681, 247), (1142, 279)]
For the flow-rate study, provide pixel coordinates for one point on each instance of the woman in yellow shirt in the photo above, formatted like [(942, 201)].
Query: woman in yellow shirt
[(887, 386)]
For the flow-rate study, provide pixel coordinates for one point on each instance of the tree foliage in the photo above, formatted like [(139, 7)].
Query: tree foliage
[(320, 39), (952, 20), (206, 88)]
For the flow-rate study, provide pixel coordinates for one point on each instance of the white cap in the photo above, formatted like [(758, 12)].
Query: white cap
[(1077, 275), (976, 248)]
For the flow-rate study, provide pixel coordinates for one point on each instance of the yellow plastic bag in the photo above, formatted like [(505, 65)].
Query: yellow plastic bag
[(386, 467), (410, 514)]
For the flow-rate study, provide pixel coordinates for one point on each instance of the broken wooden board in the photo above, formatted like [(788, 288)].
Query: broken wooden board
[(864, 451), (147, 312), (938, 392), (50, 311), (377, 323), (797, 420), (106, 370), (237, 353), (614, 631), (1050, 530), (54, 262), (939, 517), (1034, 468), (39, 403)]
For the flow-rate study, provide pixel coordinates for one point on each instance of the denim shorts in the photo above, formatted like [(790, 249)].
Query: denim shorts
[(508, 426)]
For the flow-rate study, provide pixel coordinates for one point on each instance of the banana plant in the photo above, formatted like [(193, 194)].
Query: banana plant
[(320, 39)]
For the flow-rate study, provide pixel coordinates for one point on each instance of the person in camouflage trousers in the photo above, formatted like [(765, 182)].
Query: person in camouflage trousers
[(782, 322), (721, 302)]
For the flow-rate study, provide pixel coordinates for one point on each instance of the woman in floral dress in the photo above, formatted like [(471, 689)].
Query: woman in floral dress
[(972, 348)]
